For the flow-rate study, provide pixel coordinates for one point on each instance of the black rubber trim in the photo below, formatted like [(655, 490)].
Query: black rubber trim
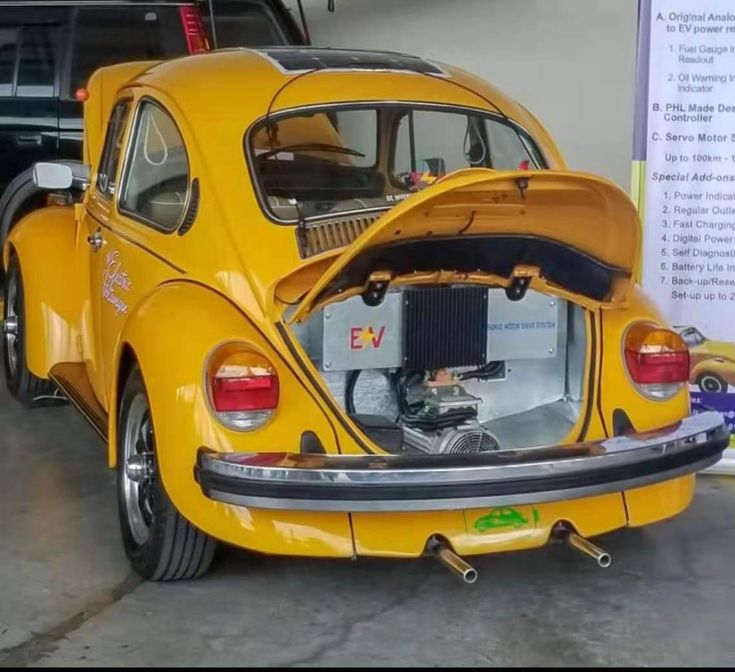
[(332, 406), (285, 490), (589, 401), (499, 254)]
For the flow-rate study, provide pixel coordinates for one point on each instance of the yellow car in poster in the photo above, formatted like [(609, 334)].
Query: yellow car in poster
[(712, 363), (342, 304)]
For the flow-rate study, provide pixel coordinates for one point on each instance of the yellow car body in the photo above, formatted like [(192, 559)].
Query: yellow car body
[(104, 291), (712, 362)]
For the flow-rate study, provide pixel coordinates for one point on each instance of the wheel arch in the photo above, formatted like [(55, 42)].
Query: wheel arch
[(126, 360), (170, 334)]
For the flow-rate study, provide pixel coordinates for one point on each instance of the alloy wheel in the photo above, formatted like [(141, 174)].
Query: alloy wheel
[(138, 470)]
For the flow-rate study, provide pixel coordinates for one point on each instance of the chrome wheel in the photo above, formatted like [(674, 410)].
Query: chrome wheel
[(11, 325), (138, 469)]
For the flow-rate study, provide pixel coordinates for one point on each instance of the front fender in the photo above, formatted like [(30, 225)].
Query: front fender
[(45, 244), (171, 334)]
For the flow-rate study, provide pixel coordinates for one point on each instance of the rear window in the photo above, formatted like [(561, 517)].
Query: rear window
[(109, 35), (247, 23), (320, 163)]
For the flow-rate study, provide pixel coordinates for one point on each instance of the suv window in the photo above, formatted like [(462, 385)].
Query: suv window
[(37, 61), (28, 57), (108, 35), (156, 187), (107, 172), (9, 38), (244, 22)]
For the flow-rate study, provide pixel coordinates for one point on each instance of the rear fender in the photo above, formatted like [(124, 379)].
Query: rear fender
[(45, 244), (171, 334), (617, 390)]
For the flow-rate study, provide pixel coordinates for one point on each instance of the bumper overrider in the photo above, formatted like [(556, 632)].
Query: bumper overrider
[(411, 482)]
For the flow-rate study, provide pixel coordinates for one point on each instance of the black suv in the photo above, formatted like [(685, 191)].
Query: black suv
[(49, 49)]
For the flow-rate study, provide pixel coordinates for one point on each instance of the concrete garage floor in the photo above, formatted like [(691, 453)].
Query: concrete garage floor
[(67, 596)]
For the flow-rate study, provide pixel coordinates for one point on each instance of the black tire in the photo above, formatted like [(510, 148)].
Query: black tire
[(711, 383), (29, 389), (159, 542)]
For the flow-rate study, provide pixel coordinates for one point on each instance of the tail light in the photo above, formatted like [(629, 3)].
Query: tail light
[(196, 39), (242, 386), (657, 360)]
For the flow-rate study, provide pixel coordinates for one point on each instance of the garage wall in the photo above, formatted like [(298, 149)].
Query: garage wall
[(570, 61)]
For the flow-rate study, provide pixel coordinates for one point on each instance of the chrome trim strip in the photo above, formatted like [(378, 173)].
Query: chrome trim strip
[(424, 483)]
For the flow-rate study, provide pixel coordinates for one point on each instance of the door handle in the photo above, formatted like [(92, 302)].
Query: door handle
[(28, 139), (95, 240)]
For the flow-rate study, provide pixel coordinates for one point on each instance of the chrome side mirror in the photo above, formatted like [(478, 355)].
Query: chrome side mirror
[(61, 175), (52, 176)]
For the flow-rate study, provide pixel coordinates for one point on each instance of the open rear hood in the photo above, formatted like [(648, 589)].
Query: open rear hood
[(572, 233)]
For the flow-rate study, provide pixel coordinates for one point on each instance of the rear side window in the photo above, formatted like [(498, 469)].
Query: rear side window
[(29, 55), (156, 185), (249, 23), (9, 41), (107, 173), (109, 35), (37, 61)]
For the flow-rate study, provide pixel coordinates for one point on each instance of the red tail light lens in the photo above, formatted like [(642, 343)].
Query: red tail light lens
[(657, 360), (255, 392), (196, 39), (242, 386)]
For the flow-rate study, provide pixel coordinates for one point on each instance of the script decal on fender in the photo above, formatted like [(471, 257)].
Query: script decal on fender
[(115, 278)]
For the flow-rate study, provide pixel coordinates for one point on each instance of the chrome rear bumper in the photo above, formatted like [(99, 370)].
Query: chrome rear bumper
[(444, 482)]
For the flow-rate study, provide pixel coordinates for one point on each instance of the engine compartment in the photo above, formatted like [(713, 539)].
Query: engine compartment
[(453, 368)]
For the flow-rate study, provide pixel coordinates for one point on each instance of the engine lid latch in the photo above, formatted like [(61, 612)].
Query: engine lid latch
[(522, 276), (377, 286)]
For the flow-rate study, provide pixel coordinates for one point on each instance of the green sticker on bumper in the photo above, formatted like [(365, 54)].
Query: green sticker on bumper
[(505, 517)]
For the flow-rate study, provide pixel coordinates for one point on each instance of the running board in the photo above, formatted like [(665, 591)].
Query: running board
[(71, 378)]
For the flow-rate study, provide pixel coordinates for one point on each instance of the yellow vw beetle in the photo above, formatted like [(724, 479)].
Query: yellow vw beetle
[(347, 303)]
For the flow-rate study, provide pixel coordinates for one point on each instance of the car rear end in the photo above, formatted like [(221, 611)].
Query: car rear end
[(514, 366)]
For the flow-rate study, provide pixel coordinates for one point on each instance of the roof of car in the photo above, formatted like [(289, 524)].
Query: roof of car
[(284, 77)]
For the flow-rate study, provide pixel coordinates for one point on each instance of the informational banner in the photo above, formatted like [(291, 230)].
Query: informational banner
[(684, 181)]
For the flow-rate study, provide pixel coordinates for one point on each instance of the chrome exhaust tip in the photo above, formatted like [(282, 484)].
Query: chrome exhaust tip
[(451, 560), (585, 546)]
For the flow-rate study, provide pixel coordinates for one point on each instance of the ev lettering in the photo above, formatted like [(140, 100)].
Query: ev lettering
[(365, 337)]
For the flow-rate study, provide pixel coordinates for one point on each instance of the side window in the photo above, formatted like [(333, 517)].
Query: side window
[(107, 171), (156, 185), (9, 37), (37, 63)]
